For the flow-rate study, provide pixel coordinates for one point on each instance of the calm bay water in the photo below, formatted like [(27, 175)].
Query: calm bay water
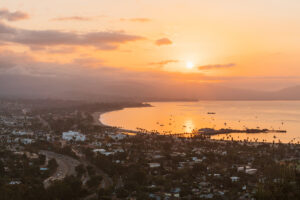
[(184, 117)]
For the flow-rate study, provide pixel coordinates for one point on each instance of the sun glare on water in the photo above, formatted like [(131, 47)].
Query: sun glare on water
[(189, 65)]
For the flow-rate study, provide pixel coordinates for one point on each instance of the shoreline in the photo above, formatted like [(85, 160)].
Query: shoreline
[(97, 121), (97, 117)]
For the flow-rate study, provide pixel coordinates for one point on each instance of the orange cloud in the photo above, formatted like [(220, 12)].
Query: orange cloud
[(163, 63), (12, 16), (142, 20), (163, 41), (101, 40), (72, 18)]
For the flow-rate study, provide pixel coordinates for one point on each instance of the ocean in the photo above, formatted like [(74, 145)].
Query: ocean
[(186, 117)]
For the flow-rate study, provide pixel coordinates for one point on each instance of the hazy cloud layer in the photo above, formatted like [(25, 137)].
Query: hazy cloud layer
[(55, 50), (163, 63), (102, 40), (216, 66), (22, 75), (142, 20), (12, 62), (22, 63), (12, 16), (72, 18), (163, 41)]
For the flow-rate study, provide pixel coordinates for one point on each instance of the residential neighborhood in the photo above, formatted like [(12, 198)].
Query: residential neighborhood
[(59, 148)]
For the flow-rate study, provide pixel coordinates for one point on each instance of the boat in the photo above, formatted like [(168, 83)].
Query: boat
[(211, 113)]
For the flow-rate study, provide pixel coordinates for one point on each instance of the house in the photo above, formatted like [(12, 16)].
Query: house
[(108, 153), (154, 165), (118, 150), (251, 171), (14, 182), (197, 160), (97, 144), (24, 140), (240, 169), (234, 178), (32, 155), (157, 156), (72, 135), (21, 133), (99, 150), (206, 196), (117, 136), (103, 152), (204, 184)]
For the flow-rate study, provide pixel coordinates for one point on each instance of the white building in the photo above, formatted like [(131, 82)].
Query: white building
[(197, 160), (72, 135), (154, 165), (240, 169), (99, 150), (103, 152), (117, 136), (14, 182), (251, 171), (24, 140), (234, 179), (118, 150), (21, 133)]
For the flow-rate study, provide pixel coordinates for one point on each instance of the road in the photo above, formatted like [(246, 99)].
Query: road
[(66, 166)]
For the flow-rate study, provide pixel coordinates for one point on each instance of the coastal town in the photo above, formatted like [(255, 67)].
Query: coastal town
[(55, 149)]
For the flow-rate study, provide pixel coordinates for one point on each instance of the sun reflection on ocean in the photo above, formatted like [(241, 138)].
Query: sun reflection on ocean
[(188, 126), (184, 117)]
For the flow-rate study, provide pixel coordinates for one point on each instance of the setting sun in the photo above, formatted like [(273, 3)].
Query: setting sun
[(189, 65)]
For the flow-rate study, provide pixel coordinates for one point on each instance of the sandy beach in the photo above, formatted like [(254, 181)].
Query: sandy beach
[(96, 116)]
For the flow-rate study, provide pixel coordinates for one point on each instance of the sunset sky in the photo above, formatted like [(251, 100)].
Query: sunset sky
[(245, 44)]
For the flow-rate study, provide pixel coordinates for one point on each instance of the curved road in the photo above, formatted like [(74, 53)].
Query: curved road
[(66, 166)]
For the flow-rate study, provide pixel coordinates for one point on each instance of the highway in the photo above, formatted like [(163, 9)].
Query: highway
[(66, 166)]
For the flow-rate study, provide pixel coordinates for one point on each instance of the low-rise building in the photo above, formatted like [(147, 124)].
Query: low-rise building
[(234, 179), (154, 165), (251, 171), (72, 135)]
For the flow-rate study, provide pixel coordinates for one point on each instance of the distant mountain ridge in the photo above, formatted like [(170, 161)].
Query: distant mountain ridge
[(103, 90), (290, 93)]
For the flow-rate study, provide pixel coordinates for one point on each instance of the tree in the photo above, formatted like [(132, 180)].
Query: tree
[(105, 193), (122, 193), (94, 181), (69, 188), (91, 171), (52, 164), (42, 159), (80, 170), (2, 171)]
